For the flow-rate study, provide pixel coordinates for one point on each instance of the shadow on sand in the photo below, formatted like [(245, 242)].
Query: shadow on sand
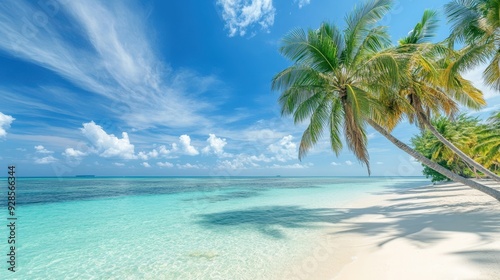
[(403, 215)]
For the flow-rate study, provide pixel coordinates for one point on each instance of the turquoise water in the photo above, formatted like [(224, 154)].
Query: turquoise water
[(174, 228)]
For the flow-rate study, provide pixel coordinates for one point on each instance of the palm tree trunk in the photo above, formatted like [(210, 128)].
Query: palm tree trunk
[(438, 168), (457, 151)]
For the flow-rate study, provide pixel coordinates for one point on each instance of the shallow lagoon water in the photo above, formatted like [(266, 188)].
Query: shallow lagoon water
[(177, 228)]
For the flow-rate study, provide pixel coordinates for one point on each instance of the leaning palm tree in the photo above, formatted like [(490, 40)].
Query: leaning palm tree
[(431, 88), (477, 23), (332, 76), (335, 79)]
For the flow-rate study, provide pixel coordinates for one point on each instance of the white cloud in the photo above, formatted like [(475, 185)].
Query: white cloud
[(291, 166), (216, 146), (231, 164), (45, 160), (115, 60), (379, 163), (189, 166), (165, 152), (260, 157), (241, 15), (284, 149), (242, 161), (108, 145), (188, 149), (165, 164), (348, 162), (41, 150), (152, 154), (145, 164), (70, 152), (119, 164), (335, 163), (5, 121), (302, 3), (21, 149)]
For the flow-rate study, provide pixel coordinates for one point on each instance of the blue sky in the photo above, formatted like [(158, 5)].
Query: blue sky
[(169, 88)]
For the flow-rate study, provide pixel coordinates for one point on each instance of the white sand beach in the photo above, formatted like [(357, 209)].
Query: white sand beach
[(445, 231)]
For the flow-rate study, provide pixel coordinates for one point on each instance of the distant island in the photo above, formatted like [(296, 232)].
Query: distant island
[(85, 176)]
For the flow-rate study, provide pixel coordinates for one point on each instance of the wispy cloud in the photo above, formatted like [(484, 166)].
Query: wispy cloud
[(45, 160), (242, 15), (113, 58)]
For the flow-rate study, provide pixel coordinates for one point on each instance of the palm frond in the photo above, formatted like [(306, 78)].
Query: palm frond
[(298, 75), (294, 45), (491, 74), (382, 67), (464, 16), (360, 21), (305, 109), (335, 123), (469, 57), (423, 30), (355, 104), (376, 40), (315, 129)]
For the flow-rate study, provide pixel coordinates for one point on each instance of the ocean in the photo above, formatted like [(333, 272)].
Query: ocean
[(175, 228)]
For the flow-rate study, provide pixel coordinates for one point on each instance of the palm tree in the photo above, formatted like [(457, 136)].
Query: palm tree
[(335, 79), (489, 145), (434, 166), (332, 75), (463, 131), (477, 23), (426, 89)]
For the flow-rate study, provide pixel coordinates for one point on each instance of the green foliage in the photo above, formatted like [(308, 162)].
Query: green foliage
[(477, 23), (478, 140)]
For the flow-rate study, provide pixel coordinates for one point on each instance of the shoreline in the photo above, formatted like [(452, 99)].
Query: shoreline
[(442, 231)]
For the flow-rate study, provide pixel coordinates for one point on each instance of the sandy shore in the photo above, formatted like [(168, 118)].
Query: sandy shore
[(446, 231)]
